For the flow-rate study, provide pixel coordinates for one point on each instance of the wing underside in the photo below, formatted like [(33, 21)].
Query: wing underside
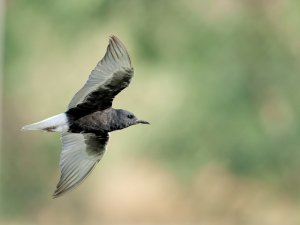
[(80, 154), (115, 66)]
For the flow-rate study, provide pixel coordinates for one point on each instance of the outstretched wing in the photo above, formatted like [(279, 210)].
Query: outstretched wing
[(111, 75), (80, 154)]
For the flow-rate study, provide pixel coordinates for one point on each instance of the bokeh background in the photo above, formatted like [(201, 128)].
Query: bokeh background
[(219, 82)]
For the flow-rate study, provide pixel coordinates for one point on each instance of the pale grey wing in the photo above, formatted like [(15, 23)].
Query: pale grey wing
[(115, 61), (80, 153)]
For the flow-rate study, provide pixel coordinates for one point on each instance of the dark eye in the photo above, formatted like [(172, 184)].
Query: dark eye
[(129, 116)]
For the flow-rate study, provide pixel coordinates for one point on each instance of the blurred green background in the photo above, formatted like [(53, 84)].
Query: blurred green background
[(219, 82)]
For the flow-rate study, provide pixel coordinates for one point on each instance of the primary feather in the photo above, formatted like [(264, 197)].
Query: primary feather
[(79, 155), (115, 61)]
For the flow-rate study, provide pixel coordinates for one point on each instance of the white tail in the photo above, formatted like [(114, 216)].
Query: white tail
[(57, 123)]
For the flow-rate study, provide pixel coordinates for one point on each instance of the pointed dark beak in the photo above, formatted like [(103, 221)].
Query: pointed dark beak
[(142, 121)]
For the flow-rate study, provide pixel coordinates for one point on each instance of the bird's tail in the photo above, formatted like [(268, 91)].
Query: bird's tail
[(58, 123)]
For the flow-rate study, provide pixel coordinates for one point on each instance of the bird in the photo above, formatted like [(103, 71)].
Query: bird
[(89, 118)]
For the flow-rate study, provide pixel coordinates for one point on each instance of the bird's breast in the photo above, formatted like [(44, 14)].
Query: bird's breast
[(93, 123)]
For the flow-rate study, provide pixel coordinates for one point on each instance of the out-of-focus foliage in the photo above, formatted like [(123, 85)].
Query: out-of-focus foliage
[(218, 80)]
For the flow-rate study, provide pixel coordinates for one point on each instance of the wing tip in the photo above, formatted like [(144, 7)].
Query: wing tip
[(58, 192), (114, 38), (115, 41), (55, 195)]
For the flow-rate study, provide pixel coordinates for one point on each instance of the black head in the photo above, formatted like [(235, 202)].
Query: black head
[(126, 119)]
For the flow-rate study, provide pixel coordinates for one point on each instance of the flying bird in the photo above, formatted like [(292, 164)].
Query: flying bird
[(89, 118)]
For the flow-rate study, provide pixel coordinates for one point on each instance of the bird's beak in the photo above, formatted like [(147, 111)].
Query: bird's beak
[(142, 121)]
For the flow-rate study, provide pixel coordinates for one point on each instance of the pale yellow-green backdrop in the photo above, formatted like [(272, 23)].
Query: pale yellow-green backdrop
[(219, 82)]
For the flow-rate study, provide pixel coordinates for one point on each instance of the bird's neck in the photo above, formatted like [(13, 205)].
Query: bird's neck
[(115, 120)]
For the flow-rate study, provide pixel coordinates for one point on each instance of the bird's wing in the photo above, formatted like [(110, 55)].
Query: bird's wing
[(111, 75), (80, 153)]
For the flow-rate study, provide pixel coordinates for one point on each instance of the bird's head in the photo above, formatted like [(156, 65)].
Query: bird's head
[(126, 119)]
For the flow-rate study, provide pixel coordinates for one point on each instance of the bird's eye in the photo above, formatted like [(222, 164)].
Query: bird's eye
[(129, 116)]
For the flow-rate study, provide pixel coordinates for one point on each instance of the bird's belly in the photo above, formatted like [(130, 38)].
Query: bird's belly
[(96, 122)]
